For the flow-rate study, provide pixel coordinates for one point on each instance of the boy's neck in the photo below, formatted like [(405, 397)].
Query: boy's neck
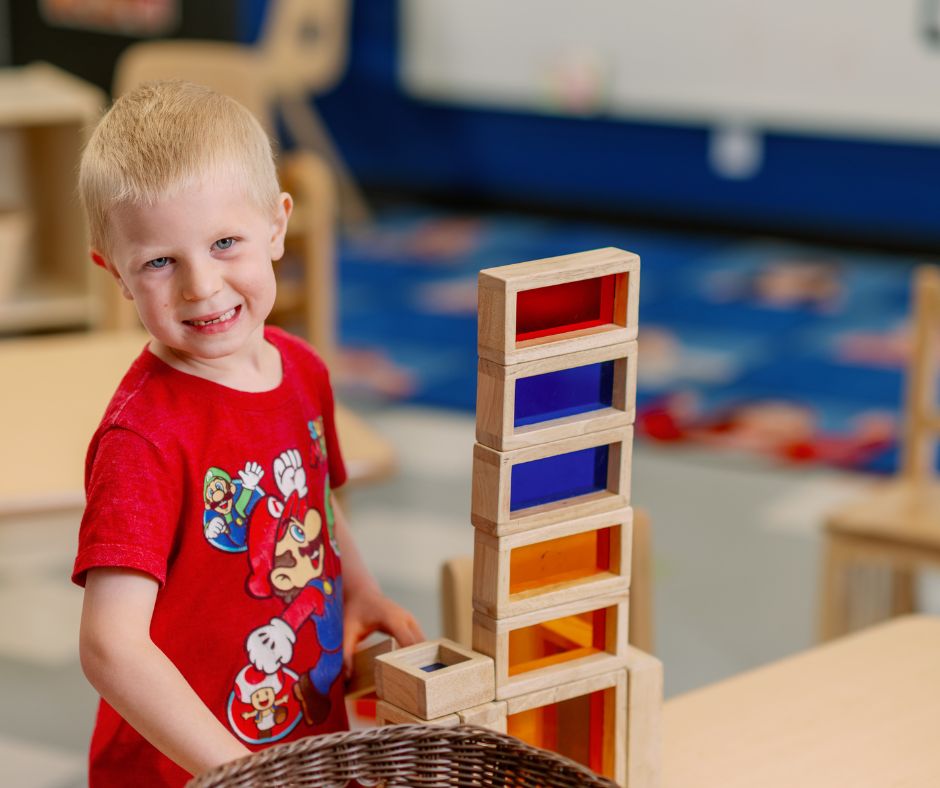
[(256, 367)]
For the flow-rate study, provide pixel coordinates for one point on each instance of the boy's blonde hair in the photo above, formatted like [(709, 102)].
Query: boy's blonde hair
[(164, 136)]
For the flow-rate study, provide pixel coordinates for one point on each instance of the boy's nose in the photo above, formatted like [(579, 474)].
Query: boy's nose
[(202, 280)]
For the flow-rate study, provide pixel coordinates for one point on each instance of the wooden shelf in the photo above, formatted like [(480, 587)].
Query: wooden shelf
[(41, 94), (47, 304), (45, 115)]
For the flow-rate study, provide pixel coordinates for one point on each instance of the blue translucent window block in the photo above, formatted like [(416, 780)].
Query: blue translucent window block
[(555, 478), (433, 666), (564, 393)]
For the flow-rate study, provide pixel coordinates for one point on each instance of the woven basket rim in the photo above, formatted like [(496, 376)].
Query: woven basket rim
[(339, 754)]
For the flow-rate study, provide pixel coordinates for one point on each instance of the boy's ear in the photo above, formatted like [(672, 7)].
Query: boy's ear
[(285, 204), (99, 259)]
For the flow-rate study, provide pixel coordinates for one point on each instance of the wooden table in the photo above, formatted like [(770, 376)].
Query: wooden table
[(861, 711), (53, 395)]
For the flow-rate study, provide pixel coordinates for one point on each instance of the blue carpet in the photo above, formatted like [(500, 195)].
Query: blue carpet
[(781, 348)]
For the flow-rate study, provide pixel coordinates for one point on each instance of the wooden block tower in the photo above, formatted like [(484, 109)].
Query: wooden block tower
[(553, 525)]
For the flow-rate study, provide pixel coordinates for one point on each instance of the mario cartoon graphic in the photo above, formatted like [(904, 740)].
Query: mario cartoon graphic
[(229, 505), (293, 558), (256, 712)]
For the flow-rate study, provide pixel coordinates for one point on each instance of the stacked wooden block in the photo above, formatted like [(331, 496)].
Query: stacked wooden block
[(552, 517)]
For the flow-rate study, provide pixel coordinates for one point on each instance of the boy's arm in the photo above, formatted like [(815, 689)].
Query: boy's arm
[(365, 607), (138, 680)]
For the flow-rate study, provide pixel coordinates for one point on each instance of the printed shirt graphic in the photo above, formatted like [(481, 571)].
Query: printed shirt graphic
[(223, 497)]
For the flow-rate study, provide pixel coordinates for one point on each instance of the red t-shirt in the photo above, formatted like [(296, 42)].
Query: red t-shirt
[(223, 497)]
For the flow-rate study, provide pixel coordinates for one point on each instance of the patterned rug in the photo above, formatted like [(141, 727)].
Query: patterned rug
[(757, 345)]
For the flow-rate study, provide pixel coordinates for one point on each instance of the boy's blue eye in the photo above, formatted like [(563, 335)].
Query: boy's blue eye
[(224, 243), (297, 533), (158, 262)]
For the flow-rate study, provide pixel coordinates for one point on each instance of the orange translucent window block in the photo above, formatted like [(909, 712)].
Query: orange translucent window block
[(542, 566), (580, 728), (553, 642)]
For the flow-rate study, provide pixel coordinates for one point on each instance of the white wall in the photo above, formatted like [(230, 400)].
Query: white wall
[(847, 67)]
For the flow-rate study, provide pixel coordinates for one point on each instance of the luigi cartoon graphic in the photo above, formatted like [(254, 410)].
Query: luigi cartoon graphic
[(229, 505)]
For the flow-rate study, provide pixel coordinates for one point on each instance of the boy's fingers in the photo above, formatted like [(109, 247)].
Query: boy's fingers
[(405, 630), (351, 636)]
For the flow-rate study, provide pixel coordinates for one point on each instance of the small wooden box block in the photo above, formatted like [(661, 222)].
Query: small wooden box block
[(434, 678), (541, 485), (389, 714), (554, 398), (558, 305), (362, 680), (544, 567), (569, 642), (585, 720), (487, 715)]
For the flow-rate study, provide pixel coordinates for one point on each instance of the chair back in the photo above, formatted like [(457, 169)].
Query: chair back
[(304, 46), (922, 415)]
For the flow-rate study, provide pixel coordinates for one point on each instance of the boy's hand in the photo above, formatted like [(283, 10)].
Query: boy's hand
[(369, 611)]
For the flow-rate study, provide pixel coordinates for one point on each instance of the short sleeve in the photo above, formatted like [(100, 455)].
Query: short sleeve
[(132, 507), (335, 456)]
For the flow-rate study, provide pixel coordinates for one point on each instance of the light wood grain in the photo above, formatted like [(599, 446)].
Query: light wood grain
[(48, 114), (362, 679), (389, 714), (496, 389), (644, 720), (492, 478), (578, 658), (614, 734), (493, 592), (467, 678), (498, 289), (487, 715), (897, 523), (862, 712)]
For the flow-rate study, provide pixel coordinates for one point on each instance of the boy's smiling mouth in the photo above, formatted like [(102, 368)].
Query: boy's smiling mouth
[(223, 317)]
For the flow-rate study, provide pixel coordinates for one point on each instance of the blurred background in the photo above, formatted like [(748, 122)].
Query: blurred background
[(776, 167)]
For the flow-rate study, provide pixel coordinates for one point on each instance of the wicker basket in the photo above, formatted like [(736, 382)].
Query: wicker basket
[(403, 755)]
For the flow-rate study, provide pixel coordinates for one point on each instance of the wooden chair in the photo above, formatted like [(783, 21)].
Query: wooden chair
[(457, 592), (897, 524), (302, 52)]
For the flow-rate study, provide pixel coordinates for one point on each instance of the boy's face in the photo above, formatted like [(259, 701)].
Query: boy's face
[(198, 266)]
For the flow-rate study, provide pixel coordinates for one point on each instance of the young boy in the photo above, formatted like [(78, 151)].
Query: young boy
[(216, 618)]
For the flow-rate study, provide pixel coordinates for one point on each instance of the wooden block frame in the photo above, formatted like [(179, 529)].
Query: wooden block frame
[(493, 637), (490, 715), (499, 290), (496, 559), (465, 678), (644, 719), (389, 714), (615, 723), (362, 679), (496, 398), (492, 480)]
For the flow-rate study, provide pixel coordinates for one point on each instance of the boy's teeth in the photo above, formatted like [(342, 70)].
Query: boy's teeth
[(221, 318)]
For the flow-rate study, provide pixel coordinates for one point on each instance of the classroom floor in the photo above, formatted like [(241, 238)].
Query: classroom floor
[(735, 566)]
